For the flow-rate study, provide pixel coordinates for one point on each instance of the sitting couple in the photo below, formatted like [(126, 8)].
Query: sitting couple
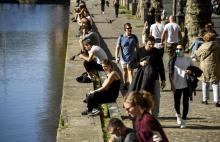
[(108, 92)]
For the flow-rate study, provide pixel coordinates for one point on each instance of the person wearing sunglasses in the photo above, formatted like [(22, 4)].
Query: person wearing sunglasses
[(177, 74), (126, 45)]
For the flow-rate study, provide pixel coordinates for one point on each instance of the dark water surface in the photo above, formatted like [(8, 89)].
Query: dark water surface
[(32, 54)]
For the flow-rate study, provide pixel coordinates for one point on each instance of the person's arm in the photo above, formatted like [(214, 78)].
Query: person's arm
[(161, 70), (171, 72), (180, 37), (108, 81), (117, 50), (87, 58), (163, 36)]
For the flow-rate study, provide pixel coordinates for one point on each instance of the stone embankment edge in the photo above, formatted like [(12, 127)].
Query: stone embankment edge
[(72, 126)]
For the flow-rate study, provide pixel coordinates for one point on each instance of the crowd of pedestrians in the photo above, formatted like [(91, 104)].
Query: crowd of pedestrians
[(143, 86)]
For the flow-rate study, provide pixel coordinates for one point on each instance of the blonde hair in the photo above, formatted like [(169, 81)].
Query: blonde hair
[(209, 36), (140, 98)]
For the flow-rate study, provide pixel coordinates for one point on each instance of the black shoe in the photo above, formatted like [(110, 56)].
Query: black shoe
[(84, 79), (217, 104), (205, 102)]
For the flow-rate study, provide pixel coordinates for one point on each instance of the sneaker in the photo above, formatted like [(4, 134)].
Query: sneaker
[(183, 124), (205, 102), (94, 112), (178, 119)]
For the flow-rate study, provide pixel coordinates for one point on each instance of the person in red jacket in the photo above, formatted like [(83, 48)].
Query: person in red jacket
[(139, 104)]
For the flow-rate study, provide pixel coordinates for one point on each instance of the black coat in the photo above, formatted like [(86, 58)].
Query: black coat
[(145, 76)]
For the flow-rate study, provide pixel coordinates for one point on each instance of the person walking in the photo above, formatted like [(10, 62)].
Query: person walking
[(102, 2), (149, 64), (209, 56), (177, 74), (116, 6), (126, 45), (138, 104), (172, 33), (156, 31)]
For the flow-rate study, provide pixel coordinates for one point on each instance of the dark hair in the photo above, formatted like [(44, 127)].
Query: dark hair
[(127, 24), (158, 17), (150, 38), (115, 123), (107, 62), (88, 41)]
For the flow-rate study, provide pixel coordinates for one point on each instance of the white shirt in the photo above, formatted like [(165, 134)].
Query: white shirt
[(172, 32), (156, 29), (181, 64), (98, 53)]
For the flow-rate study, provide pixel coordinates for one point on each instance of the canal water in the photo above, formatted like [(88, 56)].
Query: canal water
[(32, 53)]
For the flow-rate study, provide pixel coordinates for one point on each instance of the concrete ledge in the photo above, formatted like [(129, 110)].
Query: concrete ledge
[(73, 127)]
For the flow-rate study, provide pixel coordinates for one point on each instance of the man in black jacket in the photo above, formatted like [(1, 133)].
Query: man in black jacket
[(150, 66)]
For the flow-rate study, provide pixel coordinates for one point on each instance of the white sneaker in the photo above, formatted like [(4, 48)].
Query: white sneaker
[(183, 124), (178, 119), (94, 112)]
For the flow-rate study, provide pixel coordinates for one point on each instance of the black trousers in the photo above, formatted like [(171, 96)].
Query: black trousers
[(103, 5), (116, 9), (94, 100), (177, 99), (92, 65)]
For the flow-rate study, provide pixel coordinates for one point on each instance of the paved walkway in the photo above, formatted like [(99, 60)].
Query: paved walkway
[(203, 124)]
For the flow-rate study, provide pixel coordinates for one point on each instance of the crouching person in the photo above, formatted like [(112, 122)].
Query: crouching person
[(108, 92), (92, 61)]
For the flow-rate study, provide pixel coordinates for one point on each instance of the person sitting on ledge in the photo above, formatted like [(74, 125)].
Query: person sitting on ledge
[(107, 93), (92, 61)]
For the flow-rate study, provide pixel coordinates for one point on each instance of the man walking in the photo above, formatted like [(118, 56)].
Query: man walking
[(172, 33), (126, 45)]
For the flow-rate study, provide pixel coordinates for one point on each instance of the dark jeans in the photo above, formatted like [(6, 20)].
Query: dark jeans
[(103, 5), (92, 65), (93, 101), (177, 99), (116, 9), (161, 50)]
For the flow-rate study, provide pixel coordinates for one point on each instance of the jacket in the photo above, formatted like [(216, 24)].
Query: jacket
[(209, 56)]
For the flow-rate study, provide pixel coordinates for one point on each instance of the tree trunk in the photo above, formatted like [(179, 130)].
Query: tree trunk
[(157, 4), (198, 13)]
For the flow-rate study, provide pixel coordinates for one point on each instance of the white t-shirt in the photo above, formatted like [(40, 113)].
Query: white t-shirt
[(181, 64), (172, 32), (98, 53), (156, 29)]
